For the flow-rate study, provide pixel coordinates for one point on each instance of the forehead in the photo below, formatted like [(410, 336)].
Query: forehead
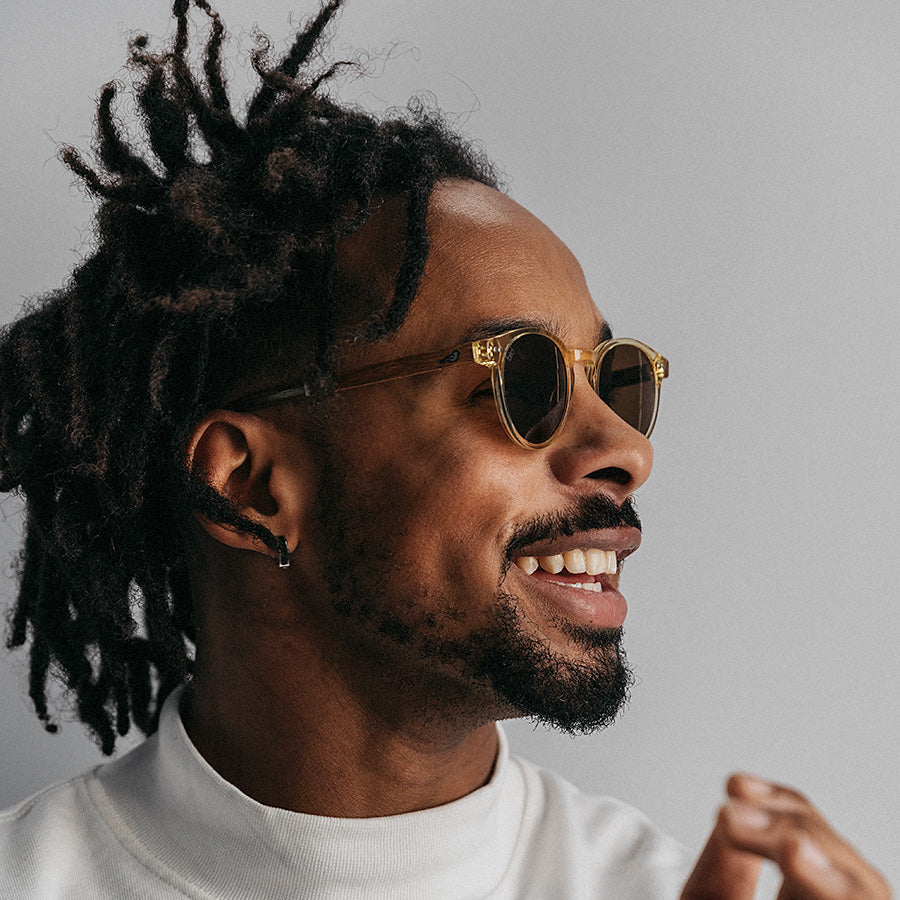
[(492, 261)]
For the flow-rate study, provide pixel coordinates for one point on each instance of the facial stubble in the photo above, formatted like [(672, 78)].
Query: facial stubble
[(392, 616)]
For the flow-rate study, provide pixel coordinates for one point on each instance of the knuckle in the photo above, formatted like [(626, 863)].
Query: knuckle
[(802, 856), (792, 850)]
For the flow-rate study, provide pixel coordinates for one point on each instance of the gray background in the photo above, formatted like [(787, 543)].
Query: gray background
[(728, 175)]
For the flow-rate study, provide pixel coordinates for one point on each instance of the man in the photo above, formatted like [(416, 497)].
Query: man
[(311, 408)]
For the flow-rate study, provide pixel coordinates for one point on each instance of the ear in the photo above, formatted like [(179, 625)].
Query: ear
[(259, 468)]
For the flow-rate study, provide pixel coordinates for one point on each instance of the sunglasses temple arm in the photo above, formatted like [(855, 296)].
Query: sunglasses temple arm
[(420, 364)]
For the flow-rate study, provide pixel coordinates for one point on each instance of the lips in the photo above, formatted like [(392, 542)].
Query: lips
[(622, 541), (579, 575)]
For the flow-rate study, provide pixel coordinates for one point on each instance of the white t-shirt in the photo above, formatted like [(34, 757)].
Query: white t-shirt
[(161, 823)]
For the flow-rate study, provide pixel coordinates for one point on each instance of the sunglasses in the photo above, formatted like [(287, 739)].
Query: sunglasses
[(532, 376)]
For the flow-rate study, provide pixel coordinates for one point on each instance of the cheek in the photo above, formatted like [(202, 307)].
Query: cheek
[(444, 488)]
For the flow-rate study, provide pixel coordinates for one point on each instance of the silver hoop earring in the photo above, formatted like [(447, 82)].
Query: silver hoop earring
[(284, 556)]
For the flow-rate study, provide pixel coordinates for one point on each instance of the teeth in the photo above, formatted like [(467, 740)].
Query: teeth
[(576, 562), (595, 586), (601, 562), (612, 564), (552, 564), (595, 561)]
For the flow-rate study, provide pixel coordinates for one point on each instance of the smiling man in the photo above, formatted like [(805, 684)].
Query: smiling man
[(329, 461)]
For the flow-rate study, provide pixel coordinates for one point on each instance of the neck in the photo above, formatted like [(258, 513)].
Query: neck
[(301, 729)]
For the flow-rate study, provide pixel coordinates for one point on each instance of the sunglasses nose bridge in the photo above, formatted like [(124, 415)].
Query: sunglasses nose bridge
[(588, 358)]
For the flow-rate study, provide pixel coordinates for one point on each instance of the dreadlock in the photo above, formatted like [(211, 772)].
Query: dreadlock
[(218, 223)]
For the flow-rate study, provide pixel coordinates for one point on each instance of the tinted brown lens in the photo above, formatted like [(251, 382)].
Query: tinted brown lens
[(534, 387), (624, 382)]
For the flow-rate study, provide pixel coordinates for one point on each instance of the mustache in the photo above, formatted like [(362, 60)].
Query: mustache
[(587, 514)]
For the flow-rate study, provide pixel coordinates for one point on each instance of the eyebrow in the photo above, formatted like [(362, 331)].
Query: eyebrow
[(490, 327)]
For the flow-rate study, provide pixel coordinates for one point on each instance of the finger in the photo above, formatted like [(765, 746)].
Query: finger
[(808, 870), (723, 872), (811, 875), (782, 825)]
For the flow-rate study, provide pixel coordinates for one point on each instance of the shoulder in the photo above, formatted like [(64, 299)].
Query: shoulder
[(43, 838), (592, 845), (59, 844)]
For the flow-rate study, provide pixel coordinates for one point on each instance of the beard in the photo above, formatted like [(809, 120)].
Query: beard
[(574, 696), (500, 666)]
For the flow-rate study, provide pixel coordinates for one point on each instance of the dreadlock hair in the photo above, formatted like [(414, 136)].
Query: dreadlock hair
[(216, 224)]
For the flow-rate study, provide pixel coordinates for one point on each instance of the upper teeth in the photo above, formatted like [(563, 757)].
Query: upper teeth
[(591, 561)]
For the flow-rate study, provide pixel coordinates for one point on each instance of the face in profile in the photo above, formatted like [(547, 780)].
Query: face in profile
[(436, 535)]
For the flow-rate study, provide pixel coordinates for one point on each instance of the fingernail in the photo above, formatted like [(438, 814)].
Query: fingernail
[(746, 815)]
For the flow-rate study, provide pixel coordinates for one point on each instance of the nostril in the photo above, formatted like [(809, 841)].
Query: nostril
[(611, 473)]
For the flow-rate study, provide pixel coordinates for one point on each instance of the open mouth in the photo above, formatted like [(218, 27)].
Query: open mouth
[(582, 581), (590, 561)]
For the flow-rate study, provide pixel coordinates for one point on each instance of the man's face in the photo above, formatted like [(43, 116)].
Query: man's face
[(426, 508)]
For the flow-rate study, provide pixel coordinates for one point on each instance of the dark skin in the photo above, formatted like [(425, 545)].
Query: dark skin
[(327, 750), (304, 710)]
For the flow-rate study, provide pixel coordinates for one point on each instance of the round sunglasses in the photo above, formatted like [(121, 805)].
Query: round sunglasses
[(532, 376)]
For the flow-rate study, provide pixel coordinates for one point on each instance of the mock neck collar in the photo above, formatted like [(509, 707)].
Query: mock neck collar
[(198, 831)]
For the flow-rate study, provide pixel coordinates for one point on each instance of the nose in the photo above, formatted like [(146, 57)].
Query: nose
[(597, 447)]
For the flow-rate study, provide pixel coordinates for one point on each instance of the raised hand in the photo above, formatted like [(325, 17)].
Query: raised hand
[(760, 821)]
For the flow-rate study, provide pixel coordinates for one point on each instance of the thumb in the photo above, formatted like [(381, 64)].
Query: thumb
[(723, 872)]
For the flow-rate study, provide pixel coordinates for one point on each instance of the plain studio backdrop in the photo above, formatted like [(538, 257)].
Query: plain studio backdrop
[(728, 173)]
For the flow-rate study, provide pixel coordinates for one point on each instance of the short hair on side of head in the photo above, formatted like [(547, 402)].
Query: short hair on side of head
[(222, 221)]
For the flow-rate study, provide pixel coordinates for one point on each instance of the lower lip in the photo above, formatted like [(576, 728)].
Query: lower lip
[(603, 609)]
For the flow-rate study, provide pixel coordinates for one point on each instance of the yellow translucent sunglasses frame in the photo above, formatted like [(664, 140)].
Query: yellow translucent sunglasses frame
[(489, 352)]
